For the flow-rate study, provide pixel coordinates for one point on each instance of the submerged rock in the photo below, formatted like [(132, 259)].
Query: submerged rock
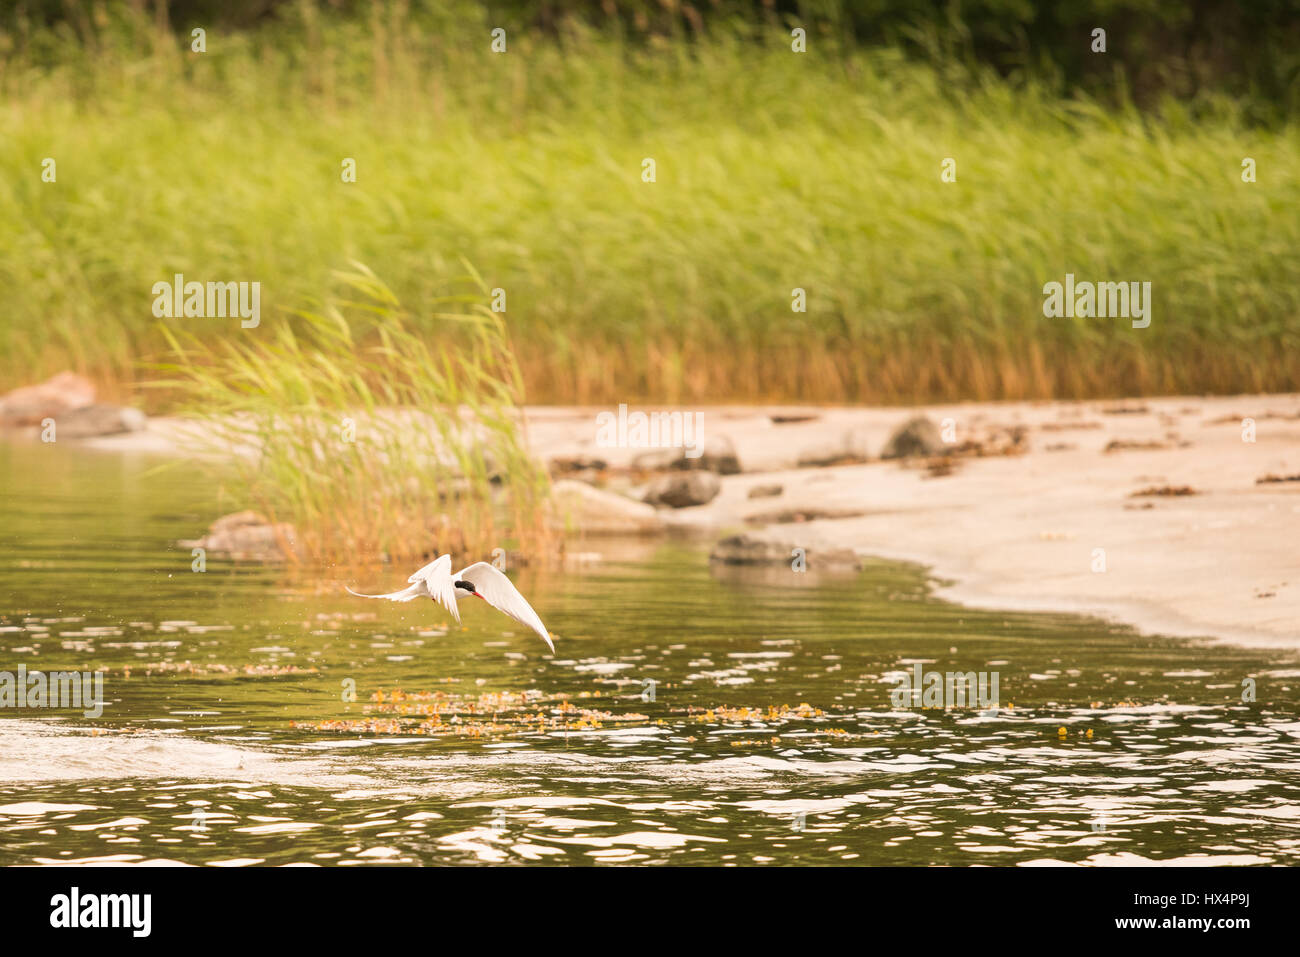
[(683, 491), (748, 550), (786, 516), (917, 436), (597, 512), (30, 404), (247, 536)]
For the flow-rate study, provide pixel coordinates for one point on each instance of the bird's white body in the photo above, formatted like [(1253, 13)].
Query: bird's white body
[(435, 580)]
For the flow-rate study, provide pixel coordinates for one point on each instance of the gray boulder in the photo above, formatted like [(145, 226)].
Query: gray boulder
[(683, 491), (719, 456), (917, 436)]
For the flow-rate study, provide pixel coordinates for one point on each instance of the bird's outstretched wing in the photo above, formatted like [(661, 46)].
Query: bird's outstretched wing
[(406, 594), (434, 580), (499, 592)]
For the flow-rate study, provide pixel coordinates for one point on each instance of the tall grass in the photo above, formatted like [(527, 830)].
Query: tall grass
[(377, 432), (775, 170)]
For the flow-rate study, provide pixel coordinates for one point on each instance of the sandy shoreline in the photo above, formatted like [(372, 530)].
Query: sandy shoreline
[(1017, 531)]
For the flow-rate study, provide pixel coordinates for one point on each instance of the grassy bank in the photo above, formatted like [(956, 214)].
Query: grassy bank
[(775, 170)]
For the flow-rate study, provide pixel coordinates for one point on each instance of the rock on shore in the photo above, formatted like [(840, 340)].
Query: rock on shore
[(99, 419), (247, 536), (917, 436), (31, 404), (683, 491), (68, 400), (718, 454), (587, 509)]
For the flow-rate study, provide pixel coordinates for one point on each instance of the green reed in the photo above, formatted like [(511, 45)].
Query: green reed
[(377, 431)]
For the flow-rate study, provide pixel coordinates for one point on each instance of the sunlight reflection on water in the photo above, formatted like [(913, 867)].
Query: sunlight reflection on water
[(769, 736)]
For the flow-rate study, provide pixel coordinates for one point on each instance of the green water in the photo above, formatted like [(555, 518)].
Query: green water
[(215, 750)]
